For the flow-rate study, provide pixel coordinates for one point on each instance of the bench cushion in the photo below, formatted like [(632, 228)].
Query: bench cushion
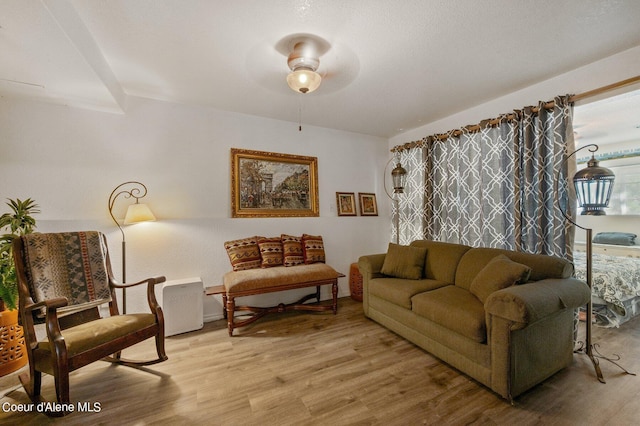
[(256, 279)]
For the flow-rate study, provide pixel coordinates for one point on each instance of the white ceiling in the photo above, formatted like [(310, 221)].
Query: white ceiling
[(391, 65)]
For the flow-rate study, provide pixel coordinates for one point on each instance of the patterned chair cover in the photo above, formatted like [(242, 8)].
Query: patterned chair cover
[(67, 264)]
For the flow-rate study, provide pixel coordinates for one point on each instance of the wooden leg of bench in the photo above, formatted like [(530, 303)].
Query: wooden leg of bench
[(231, 307), (334, 292), (224, 305)]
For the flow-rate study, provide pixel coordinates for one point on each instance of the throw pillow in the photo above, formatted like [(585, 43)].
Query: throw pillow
[(616, 238), (271, 252), (243, 253), (501, 272), (292, 248), (404, 261), (312, 249)]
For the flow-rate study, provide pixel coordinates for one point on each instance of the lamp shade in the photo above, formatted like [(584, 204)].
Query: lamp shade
[(593, 188), (398, 175), (138, 213), (304, 80)]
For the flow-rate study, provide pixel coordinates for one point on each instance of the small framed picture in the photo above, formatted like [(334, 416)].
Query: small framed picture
[(368, 205), (346, 203)]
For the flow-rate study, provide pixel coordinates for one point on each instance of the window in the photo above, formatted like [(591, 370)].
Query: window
[(625, 199)]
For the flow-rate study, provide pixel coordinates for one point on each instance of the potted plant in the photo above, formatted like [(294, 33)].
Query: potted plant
[(18, 222)]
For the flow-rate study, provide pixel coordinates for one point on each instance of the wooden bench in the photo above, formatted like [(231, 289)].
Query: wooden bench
[(268, 280)]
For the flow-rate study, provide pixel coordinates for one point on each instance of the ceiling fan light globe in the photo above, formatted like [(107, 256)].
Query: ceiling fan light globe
[(304, 80)]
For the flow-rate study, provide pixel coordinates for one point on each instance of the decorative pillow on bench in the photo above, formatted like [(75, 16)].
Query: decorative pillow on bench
[(292, 250), (271, 252), (260, 252), (244, 253), (313, 249)]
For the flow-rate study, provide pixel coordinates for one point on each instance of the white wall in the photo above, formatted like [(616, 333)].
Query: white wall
[(69, 160)]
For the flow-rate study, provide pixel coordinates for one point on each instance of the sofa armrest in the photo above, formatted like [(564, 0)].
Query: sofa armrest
[(371, 265), (528, 303)]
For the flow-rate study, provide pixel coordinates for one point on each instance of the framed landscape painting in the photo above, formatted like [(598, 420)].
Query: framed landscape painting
[(346, 202), (267, 184), (368, 204)]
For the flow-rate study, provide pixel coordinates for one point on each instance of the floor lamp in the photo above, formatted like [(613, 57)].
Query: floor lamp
[(136, 212), (398, 175), (593, 186)]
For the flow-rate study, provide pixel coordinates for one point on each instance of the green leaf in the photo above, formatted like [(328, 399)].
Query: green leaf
[(19, 222)]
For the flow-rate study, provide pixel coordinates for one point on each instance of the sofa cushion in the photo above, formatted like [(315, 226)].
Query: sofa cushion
[(542, 266), (399, 291), (404, 262), (501, 272), (443, 258), (454, 308)]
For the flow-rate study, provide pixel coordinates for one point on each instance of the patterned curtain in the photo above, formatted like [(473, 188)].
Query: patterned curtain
[(472, 188), (495, 187), (544, 140), (412, 204)]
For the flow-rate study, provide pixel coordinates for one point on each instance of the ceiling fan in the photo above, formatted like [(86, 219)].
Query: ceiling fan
[(303, 62), (313, 60), (303, 53), (338, 66)]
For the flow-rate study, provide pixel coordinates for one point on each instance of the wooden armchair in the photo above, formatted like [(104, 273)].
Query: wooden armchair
[(63, 278)]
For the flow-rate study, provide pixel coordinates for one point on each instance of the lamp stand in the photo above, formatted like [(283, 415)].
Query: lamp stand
[(588, 347), (396, 201), (394, 198), (137, 191), (124, 273)]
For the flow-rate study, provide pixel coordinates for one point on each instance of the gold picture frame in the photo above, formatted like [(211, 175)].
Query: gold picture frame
[(368, 204), (268, 184), (346, 202)]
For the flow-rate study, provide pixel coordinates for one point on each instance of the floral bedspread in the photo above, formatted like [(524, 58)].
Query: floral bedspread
[(616, 280)]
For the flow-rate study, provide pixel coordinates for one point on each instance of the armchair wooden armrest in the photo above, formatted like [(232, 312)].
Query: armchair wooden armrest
[(151, 295), (51, 306), (56, 303), (151, 281)]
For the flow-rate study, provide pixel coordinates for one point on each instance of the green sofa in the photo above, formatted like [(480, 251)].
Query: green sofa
[(461, 305)]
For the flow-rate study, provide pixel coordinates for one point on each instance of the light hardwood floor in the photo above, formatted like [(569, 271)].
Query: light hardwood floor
[(321, 369)]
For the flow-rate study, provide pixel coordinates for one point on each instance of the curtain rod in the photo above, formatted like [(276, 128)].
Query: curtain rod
[(495, 121)]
